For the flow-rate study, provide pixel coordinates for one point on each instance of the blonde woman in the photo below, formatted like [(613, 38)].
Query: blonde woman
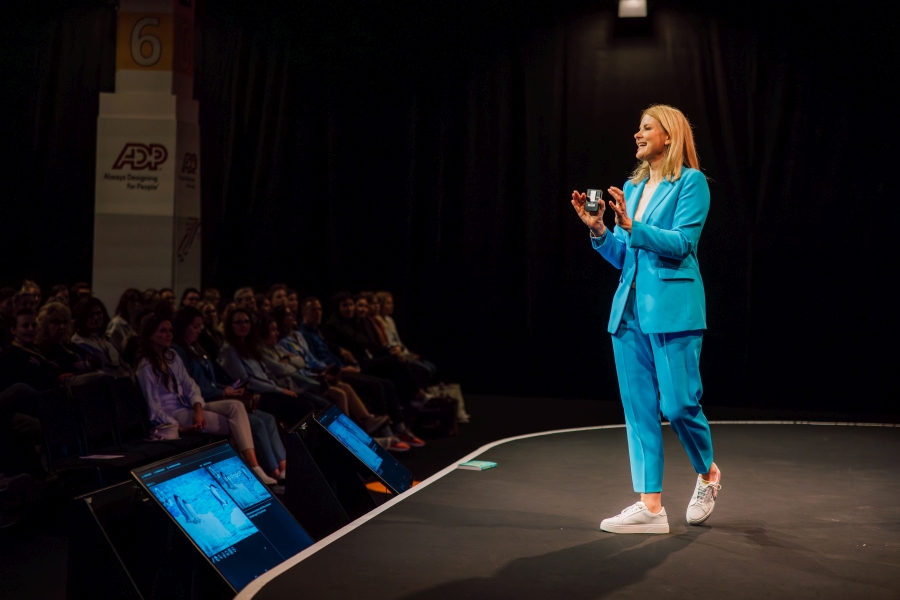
[(658, 313)]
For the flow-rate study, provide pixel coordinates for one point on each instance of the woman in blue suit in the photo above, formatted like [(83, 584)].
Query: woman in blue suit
[(659, 313)]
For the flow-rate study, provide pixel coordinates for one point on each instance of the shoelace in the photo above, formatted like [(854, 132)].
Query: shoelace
[(632, 509), (706, 490)]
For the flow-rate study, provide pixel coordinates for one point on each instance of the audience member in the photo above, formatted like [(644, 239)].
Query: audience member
[(59, 293), (78, 291), (211, 338), (188, 327), (263, 306), (53, 338), (190, 297), (242, 359), (293, 301), (124, 324), (31, 287), (422, 370), (213, 296), (245, 299), (173, 397), (23, 361), (277, 295), (91, 320), (167, 296)]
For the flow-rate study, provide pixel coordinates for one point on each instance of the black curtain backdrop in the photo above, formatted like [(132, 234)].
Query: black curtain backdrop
[(430, 148)]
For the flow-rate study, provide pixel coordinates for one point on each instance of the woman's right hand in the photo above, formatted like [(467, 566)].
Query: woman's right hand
[(289, 392), (594, 221)]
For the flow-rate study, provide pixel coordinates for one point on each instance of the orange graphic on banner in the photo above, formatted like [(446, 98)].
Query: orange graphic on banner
[(145, 42)]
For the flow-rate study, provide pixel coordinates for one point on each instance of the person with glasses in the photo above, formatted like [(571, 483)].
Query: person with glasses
[(242, 360)]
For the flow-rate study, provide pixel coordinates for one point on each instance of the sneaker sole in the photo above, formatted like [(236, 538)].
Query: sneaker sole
[(648, 528), (700, 520)]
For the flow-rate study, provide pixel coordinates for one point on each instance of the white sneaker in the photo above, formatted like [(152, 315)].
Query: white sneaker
[(637, 519), (262, 475), (704, 500)]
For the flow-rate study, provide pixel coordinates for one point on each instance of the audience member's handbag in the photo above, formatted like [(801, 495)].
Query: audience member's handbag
[(451, 390), (436, 417), (251, 401)]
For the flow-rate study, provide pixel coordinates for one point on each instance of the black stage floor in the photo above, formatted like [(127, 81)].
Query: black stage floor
[(805, 511)]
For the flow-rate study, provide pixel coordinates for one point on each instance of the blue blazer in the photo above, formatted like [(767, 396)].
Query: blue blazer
[(661, 254)]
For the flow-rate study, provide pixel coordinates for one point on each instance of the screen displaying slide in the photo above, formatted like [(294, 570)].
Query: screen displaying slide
[(348, 433), (227, 512)]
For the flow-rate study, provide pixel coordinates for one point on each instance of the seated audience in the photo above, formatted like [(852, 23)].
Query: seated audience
[(344, 330), (202, 369), (242, 359), (173, 397), (190, 297), (122, 326), (91, 320), (285, 345), (23, 361)]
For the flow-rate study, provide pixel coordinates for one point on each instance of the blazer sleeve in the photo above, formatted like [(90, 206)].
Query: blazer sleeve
[(690, 214), (611, 247), (149, 382)]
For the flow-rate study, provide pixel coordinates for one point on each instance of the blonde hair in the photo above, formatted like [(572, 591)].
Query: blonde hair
[(48, 312), (680, 151)]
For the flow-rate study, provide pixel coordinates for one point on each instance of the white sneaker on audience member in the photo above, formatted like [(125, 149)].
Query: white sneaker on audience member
[(637, 518), (262, 475), (704, 499)]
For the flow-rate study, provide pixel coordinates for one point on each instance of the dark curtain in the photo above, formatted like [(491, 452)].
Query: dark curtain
[(430, 150)]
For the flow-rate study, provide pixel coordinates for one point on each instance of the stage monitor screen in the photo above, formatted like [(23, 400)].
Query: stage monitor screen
[(343, 429), (226, 511)]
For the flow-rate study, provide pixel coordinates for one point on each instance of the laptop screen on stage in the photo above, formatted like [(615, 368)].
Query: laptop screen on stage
[(348, 433), (226, 511)]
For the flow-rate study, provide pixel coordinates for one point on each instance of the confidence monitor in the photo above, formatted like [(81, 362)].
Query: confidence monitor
[(391, 473), (228, 514)]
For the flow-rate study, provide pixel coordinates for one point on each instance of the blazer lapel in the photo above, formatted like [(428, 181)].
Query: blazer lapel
[(662, 192)]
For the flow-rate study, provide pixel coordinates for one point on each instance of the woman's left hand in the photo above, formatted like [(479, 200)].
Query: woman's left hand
[(618, 207)]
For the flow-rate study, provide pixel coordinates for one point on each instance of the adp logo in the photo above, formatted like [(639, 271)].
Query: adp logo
[(141, 156), (190, 163)]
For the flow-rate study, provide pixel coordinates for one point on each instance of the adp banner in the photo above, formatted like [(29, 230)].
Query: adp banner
[(147, 223)]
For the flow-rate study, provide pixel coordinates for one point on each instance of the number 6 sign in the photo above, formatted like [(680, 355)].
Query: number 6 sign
[(144, 42)]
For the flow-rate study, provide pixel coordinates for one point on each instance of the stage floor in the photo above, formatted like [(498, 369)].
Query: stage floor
[(805, 511)]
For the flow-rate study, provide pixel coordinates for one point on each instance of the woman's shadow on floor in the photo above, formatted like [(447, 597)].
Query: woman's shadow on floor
[(578, 573)]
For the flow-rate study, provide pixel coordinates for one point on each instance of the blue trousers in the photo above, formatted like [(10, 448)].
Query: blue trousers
[(660, 372)]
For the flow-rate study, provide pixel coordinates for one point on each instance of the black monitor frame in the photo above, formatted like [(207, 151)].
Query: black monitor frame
[(207, 448)]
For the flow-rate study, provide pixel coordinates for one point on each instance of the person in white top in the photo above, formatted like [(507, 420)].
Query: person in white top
[(173, 397)]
